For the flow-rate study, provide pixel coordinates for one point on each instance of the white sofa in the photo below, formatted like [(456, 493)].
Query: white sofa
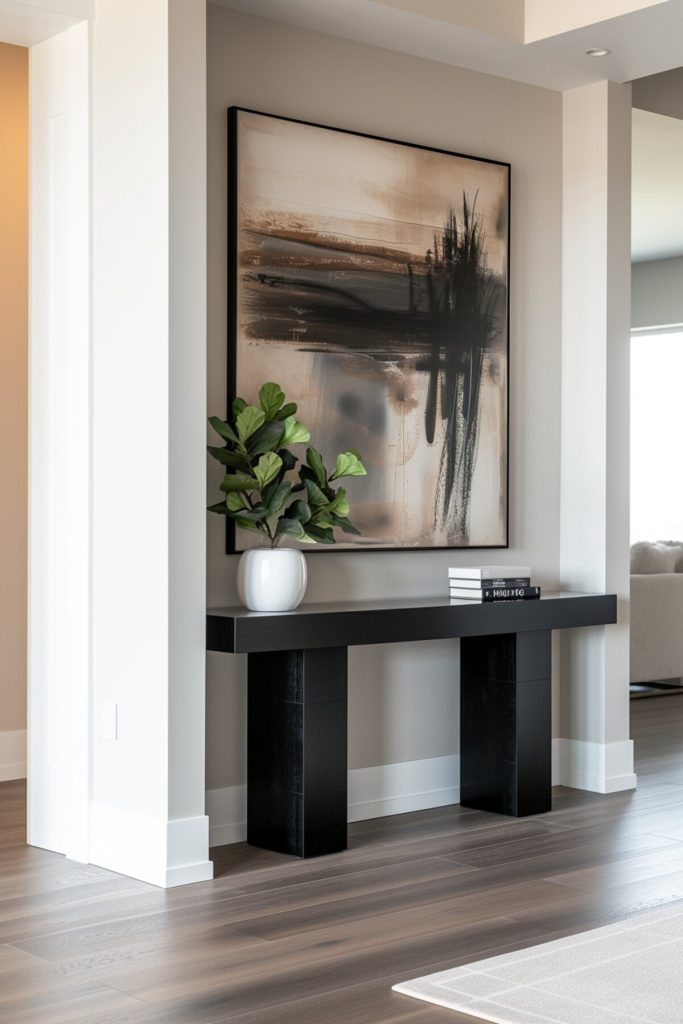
[(656, 611)]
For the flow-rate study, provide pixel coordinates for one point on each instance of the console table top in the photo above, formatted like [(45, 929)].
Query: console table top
[(237, 630)]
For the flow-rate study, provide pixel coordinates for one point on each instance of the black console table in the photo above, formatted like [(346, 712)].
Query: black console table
[(297, 703)]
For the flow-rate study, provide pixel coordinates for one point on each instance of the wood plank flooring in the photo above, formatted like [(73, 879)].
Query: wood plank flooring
[(274, 940)]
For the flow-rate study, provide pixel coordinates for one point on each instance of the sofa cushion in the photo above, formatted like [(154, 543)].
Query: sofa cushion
[(656, 556)]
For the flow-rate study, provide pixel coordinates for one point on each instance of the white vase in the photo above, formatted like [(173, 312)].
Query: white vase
[(271, 579)]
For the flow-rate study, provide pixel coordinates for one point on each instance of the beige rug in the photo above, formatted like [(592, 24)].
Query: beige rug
[(626, 973)]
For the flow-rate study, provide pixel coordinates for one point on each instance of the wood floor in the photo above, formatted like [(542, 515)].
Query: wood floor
[(278, 941)]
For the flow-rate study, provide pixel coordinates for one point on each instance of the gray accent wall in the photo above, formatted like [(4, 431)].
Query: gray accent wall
[(657, 293), (403, 698), (657, 285)]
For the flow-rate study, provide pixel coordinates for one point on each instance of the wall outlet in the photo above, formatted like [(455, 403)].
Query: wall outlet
[(110, 721)]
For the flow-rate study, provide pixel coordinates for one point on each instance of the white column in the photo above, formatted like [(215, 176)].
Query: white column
[(596, 752), (149, 408)]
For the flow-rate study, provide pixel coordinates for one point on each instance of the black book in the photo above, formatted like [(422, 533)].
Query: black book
[(497, 594)]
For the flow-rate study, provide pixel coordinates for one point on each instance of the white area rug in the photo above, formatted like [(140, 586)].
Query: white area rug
[(622, 974)]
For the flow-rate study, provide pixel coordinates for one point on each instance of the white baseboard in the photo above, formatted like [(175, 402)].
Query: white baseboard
[(407, 786), (434, 782), (163, 853), (595, 767), (12, 755), (373, 793), (556, 762)]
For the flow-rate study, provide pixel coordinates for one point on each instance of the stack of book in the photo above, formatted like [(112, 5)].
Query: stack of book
[(492, 583)]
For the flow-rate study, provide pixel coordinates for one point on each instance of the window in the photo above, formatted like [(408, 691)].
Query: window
[(657, 436)]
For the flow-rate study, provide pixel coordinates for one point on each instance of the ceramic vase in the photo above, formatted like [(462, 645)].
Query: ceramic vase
[(272, 579)]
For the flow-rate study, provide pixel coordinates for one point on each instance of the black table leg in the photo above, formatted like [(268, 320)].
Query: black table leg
[(297, 751), (505, 723)]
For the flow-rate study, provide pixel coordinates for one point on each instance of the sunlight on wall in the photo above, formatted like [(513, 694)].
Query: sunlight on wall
[(656, 437), (13, 396)]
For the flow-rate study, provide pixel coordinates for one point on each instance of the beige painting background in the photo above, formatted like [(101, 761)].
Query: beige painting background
[(353, 213)]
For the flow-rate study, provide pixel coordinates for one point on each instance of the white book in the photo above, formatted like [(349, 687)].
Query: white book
[(490, 572)]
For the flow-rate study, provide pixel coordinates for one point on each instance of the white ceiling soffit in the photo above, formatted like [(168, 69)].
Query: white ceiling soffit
[(543, 18), (643, 42), (26, 22), (503, 18), (657, 187), (522, 21)]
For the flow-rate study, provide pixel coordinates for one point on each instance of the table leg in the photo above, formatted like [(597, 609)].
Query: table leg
[(297, 751), (505, 723)]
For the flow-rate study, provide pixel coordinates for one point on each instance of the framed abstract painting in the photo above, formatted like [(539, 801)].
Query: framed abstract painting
[(370, 279)]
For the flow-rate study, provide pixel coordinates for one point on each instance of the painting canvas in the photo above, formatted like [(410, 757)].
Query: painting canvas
[(370, 279)]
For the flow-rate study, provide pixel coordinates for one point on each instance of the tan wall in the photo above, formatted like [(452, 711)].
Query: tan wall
[(13, 382), (403, 702)]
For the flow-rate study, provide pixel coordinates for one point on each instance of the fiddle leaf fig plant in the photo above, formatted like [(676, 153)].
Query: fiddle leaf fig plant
[(259, 494)]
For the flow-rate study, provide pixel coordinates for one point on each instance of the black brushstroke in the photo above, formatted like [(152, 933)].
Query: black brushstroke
[(441, 315), (462, 289)]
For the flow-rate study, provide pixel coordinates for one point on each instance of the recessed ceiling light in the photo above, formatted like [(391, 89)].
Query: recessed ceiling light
[(598, 51)]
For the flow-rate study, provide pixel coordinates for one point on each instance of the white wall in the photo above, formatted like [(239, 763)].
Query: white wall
[(117, 419), (149, 408), (657, 293), (270, 67), (595, 426)]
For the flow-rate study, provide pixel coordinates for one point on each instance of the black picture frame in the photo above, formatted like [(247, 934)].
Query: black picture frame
[(232, 302)]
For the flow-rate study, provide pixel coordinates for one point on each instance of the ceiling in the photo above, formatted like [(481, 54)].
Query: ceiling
[(646, 39), (542, 42), (657, 186), (27, 22)]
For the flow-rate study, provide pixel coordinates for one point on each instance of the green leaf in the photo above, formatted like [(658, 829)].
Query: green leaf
[(299, 510), (295, 432), (265, 439), (276, 500), (340, 503), (271, 396), (346, 525), (315, 495), (287, 410), (290, 527), (289, 461), (318, 535), (316, 464), (245, 524), (238, 404), (228, 458), (234, 501), (239, 482), (224, 429), (254, 515), (219, 508), (248, 421), (267, 469), (348, 464), (321, 518)]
